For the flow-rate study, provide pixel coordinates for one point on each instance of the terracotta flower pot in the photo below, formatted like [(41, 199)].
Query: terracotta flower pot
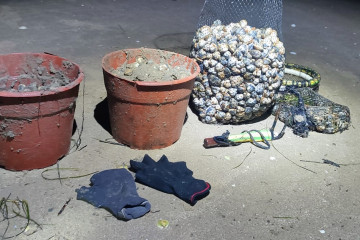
[(36, 122), (147, 114)]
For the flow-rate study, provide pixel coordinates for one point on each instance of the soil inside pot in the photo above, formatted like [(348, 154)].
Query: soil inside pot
[(35, 75), (144, 69)]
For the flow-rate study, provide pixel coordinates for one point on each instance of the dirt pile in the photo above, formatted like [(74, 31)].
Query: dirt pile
[(35, 75), (144, 69)]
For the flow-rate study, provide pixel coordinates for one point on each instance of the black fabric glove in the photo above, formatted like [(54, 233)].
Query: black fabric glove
[(170, 177), (115, 191)]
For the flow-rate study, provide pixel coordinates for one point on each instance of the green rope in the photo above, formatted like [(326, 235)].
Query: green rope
[(310, 77)]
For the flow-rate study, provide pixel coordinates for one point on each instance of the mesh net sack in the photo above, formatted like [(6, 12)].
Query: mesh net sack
[(304, 110), (241, 58), (301, 107), (258, 13), (241, 71)]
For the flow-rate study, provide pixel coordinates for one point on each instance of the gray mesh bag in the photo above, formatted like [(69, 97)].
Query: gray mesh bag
[(241, 57), (258, 13)]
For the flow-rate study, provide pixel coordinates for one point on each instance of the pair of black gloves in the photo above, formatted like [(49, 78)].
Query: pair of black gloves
[(115, 189)]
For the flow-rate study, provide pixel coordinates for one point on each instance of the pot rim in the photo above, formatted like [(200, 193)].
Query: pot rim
[(67, 87), (146, 83)]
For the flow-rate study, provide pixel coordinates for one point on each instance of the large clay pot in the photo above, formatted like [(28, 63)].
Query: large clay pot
[(36, 125), (143, 114)]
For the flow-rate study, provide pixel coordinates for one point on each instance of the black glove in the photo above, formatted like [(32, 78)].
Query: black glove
[(169, 177), (115, 191)]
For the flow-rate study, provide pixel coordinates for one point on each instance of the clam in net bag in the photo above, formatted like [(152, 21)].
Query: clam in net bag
[(258, 13), (301, 107), (241, 57)]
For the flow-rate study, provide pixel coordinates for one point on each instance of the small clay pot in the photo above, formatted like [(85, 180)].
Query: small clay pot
[(36, 122), (143, 114)]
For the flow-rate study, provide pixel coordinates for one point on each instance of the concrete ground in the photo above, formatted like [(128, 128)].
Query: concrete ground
[(267, 197)]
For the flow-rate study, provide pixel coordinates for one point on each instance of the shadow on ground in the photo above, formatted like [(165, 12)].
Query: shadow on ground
[(101, 115), (175, 42)]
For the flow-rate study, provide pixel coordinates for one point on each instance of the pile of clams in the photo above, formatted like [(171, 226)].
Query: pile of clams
[(241, 71)]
